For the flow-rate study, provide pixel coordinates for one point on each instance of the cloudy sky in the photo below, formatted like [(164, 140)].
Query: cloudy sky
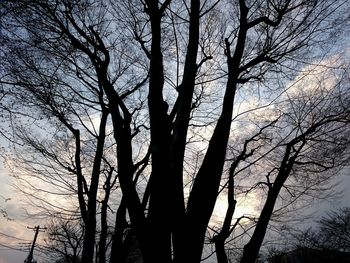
[(15, 237)]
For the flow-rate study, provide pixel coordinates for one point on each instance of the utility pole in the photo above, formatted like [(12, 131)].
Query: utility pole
[(29, 259)]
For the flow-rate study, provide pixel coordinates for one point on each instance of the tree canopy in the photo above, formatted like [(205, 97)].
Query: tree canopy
[(138, 117)]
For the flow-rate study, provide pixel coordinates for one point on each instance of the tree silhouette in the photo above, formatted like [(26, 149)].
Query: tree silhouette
[(331, 233), (129, 111), (328, 241), (64, 241)]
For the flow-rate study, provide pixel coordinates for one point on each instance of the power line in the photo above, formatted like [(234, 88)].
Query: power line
[(6, 235), (13, 248)]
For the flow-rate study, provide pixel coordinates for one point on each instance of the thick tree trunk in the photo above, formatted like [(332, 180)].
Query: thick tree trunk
[(117, 250), (205, 188), (178, 140), (89, 238), (125, 175), (123, 137), (159, 213), (89, 241), (204, 192), (220, 251), (251, 249)]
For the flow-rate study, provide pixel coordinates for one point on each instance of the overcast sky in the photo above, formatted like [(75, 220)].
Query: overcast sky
[(15, 236)]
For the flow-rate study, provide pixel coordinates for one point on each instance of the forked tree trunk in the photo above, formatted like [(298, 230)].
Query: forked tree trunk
[(90, 223), (251, 249)]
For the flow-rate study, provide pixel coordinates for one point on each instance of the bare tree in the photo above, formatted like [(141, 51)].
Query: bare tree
[(327, 241), (332, 232), (64, 241), (109, 101)]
